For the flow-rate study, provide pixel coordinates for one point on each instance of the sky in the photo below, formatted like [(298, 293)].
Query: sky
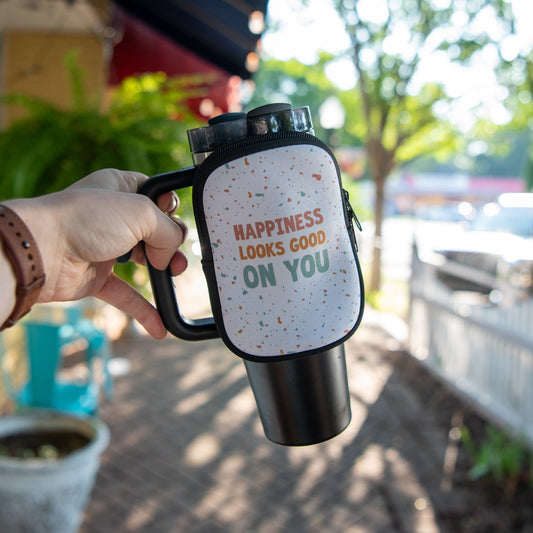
[(301, 32)]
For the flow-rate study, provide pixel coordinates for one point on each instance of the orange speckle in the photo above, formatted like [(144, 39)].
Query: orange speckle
[(246, 162), (318, 177), (240, 331), (279, 320), (249, 194)]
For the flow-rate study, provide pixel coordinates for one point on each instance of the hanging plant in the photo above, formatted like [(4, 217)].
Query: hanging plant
[(143, 129)]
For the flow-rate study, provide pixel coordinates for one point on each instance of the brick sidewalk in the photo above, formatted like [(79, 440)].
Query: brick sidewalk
[(188, 453)]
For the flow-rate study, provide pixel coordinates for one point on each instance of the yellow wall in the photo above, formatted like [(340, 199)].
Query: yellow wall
[(33, 64)]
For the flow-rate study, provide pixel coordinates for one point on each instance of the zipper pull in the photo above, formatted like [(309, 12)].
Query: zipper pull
[(352, 217)]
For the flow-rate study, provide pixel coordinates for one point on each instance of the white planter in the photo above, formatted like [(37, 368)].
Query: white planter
[(48, 496)]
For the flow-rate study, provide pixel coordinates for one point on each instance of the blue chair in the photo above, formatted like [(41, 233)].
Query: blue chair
[(46, 342)]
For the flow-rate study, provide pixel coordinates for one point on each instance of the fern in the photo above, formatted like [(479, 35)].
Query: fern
[(53, 147)]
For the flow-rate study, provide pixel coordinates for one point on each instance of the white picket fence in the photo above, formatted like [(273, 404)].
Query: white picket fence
[(484, 350)]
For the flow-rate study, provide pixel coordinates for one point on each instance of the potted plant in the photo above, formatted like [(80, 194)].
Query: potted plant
[(48, 465)]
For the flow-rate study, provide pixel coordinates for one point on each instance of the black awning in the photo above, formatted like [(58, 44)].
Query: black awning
[(216, 30)]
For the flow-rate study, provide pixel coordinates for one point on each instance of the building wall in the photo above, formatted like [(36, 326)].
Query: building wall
[(32, 63)]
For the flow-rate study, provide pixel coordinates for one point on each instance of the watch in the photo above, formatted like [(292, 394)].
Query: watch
[(22, 252)]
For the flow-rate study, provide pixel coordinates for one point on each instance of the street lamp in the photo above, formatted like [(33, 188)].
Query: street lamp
[(332, 117)]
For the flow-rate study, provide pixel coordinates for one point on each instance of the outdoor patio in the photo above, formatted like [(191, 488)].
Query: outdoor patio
[(188, 452)]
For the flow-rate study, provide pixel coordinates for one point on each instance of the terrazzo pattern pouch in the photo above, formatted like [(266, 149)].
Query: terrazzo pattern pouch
[(278, 246)]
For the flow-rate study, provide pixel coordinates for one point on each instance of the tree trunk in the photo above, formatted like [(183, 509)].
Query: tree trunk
[(381, 162), (375, 279)]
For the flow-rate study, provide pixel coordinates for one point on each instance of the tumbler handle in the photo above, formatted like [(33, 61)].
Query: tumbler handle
[(161, 280)]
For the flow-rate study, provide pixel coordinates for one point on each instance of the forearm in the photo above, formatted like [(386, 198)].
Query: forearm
[(80, 232)]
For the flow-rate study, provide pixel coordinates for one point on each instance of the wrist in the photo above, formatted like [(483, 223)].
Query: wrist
[(22, 253), (9, 281), (40, 220)]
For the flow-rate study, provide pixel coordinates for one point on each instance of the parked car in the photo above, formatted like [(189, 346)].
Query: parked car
[(495, 250)]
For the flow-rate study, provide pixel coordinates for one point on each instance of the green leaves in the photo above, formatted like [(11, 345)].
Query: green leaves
[(144, 129), (498, 456)]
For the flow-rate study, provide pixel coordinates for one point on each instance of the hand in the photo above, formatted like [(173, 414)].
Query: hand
[(81, 231)]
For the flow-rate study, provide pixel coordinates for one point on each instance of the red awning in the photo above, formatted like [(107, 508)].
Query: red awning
[(142, 49)]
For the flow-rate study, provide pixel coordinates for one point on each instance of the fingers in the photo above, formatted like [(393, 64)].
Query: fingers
[(168, 202), (183, 227), (112, 179), (123, 296), (162, 237), (178, 262)]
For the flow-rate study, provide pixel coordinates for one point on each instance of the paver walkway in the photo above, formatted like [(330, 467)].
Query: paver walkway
[(188, 453)]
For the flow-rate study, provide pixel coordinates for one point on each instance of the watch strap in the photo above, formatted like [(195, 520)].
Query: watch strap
[(22, 252)]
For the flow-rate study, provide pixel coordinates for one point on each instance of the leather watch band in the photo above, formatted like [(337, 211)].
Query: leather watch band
[(22, 252)]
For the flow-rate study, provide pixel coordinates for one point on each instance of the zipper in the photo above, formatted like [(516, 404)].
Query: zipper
[(352, 217), (265, 142), (262, 142)]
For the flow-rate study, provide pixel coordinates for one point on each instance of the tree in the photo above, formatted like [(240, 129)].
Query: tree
[(282, 81), (516, 73), (388, 43)]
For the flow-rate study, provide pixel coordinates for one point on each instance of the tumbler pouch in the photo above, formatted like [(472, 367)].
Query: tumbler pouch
[(278, 246)]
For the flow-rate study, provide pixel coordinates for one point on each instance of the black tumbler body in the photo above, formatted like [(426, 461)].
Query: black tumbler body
[(303, 399)]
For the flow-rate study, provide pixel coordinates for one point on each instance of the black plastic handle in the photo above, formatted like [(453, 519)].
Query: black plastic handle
[(161, 280)]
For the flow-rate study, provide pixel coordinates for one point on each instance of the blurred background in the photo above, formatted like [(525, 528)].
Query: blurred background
[(427, 105)]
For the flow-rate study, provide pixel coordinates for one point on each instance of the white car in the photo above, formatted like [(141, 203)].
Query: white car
[(496, 248)]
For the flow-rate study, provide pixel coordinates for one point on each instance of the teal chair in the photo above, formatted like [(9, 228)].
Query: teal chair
[(45, 342)]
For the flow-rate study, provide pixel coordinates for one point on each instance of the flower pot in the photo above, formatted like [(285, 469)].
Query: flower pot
[(48, 495)]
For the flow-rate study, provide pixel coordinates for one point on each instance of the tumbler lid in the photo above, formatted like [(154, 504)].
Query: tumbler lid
[(226, 117), (274, 118), (222, 129)]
